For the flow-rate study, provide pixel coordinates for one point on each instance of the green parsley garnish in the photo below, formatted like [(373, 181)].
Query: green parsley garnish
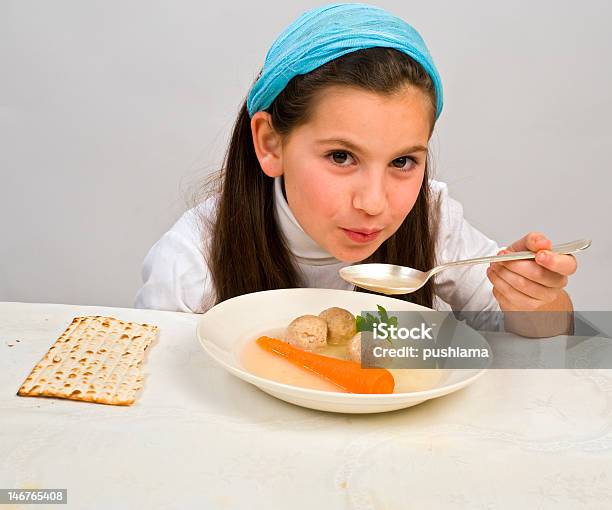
[(366, 322)]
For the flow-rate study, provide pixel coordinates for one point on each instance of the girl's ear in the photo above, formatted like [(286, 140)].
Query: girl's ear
[(267, 144)]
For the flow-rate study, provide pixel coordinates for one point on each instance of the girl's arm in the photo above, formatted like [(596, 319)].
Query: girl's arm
[(470, 290)]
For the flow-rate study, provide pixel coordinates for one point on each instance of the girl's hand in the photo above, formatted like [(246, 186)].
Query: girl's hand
[(533, 284)]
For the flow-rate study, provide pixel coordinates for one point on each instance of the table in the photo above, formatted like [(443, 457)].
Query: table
[(197, 435)]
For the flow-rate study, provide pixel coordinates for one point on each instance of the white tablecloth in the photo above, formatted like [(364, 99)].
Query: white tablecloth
[(197, 437)]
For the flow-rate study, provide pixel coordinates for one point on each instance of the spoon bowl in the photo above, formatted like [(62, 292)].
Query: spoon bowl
[(392, 279)]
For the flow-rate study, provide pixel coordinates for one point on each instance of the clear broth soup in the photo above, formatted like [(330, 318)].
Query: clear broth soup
[(270, 366)]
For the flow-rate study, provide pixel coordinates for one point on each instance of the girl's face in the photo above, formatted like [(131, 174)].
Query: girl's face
[(353, 172)]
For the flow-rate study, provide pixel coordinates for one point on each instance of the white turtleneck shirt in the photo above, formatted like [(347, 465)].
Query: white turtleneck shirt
[(176, 276)]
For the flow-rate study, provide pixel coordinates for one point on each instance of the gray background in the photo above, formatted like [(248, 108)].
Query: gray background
[(112, 112)]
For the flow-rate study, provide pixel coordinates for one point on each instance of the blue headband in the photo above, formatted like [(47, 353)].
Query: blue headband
[(326, 33)]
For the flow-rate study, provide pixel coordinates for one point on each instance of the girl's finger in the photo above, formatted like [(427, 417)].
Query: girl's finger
[(526, 286), (512, 298), (561, 264), (534, 272)]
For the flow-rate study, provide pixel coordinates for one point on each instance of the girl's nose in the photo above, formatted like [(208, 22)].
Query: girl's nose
[(371, 195)]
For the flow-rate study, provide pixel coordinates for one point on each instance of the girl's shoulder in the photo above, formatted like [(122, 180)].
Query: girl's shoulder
[(197, 222), (447, 210), (455, 235), (175, 271)]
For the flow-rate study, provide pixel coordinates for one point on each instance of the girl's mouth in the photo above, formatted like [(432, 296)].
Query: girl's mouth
[(361, 237)]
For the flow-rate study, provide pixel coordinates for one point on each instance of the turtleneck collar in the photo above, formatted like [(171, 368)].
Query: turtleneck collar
[(300, 243)]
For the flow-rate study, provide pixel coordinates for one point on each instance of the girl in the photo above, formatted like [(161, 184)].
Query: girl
[(327, 166)]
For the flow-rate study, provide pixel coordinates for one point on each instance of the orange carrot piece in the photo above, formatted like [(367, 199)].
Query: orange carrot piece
[(346, 374)]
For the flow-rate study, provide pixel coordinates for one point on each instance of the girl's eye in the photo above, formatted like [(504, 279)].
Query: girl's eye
[(403, 161), (340, 160)]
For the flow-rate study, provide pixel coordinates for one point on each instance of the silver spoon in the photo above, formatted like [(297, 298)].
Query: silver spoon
[(392, 279)]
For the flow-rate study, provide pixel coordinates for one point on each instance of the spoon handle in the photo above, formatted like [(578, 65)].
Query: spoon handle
[(564, 249)]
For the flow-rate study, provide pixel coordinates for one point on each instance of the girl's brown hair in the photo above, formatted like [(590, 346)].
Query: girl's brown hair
[(247, 251)]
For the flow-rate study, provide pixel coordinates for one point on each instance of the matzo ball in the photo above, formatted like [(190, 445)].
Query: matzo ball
[(340, 325), (307, 332)]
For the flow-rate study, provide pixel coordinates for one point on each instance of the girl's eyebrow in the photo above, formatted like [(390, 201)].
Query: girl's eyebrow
[(354, 147)]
